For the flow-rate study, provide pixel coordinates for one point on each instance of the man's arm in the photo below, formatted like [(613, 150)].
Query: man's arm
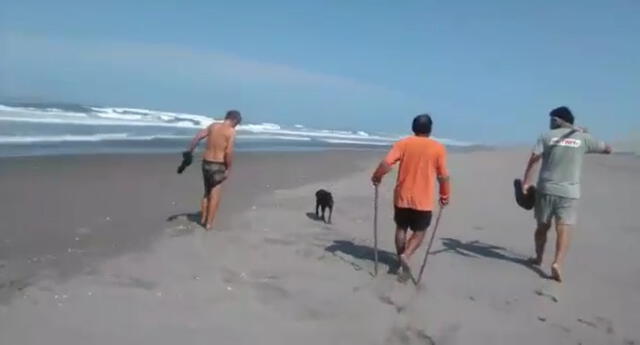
[(528, 171), (385, 166), (534, 159), (378, 174), (199, 136), (597, 146), (443, 179), (228, 153)]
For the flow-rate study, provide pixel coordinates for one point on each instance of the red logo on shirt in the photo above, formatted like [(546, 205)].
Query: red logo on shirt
[(567, 142)]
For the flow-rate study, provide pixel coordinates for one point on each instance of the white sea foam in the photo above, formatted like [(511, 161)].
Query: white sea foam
[(100, 117), (356, 142), (5, 139)]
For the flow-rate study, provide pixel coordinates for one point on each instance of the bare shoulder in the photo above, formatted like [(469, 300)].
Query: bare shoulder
[(212, 127), (230, 132)]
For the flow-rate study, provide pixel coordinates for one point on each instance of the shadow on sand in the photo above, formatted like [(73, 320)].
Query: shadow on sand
[(361, 252), (314, 217), (475, 249), (193, 217)]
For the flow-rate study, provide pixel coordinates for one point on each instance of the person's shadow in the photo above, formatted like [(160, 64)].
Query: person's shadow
[(193, 217), (362, 252), (474, 249)]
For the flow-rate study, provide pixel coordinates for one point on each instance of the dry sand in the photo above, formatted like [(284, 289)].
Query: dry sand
[(88, 256)]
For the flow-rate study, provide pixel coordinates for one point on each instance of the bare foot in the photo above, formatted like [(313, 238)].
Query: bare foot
[(404, 263), (556, 273), (534, 261), (208, 227)]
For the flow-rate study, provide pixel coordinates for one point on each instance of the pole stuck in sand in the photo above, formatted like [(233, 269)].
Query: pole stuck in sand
[(375, 232), (426, 255)]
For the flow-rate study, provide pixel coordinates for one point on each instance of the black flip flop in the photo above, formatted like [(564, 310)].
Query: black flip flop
[(526, 201)]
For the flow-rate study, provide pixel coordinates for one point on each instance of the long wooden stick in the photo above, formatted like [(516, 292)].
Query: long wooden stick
[(426, 255), (375, 232)]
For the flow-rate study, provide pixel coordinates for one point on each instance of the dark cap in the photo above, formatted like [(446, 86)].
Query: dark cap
[(563, 113)]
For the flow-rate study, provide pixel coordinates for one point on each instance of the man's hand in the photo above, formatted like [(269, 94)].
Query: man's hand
[(376, 180), (444, 201), (187, 159), (525, 188)]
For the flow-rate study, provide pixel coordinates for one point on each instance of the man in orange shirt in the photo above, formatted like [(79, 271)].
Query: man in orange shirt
[(422, 160)]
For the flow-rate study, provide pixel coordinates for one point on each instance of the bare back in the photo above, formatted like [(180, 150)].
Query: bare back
[(219, 142)]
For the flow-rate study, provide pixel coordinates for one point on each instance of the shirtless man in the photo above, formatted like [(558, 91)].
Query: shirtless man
[(216, 162)]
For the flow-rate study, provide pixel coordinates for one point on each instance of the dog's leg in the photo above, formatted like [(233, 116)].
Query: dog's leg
[(324, 208), (330, 213), (317, 210)]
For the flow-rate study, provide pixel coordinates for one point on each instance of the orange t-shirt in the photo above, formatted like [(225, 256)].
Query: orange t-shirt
[(422, 160)]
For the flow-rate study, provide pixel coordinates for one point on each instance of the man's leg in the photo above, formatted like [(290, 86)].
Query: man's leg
[(540, 239), (543, 212), (401, 240), (213, 203), (414, 242), (204, 206), (562, 246), (566, 218)]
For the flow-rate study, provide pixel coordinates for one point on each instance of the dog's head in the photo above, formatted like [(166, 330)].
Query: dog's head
[(324, 197)]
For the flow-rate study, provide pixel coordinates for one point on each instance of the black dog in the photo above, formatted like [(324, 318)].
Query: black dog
[(324, 200)]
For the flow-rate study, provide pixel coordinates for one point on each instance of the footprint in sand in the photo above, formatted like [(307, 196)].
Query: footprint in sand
[(600, 323), (83, 231), (541, 293), (388, 301), (279, 241), (270, 293), (17, 284), (133, 282), (408, 336), (179, 231), (561, 327)]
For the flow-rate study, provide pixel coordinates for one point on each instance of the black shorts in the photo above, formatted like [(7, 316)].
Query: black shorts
[(213, 174), (407, 218)]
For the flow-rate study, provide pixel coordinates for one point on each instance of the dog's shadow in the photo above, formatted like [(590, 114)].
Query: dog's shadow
[(314, 217), (365, 253)]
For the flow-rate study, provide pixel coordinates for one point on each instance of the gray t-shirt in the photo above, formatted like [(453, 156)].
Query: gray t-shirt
[(562, 153)]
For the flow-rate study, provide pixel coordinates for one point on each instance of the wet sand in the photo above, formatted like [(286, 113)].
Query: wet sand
[(103, 250)]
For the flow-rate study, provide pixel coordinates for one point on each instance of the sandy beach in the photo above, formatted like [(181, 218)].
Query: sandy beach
[(103, 250)]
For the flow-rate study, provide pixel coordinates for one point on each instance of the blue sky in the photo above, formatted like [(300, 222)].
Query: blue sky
[(487, 71)]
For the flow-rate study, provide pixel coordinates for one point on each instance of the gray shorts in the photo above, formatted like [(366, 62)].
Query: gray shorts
[(549, 207)]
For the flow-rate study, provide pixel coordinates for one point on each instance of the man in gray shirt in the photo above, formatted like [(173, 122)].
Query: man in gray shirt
[(561, 150)]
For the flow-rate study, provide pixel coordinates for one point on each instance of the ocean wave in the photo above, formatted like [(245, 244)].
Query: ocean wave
[(271, 137), (356, 142), (102, 117), (6, 139)]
